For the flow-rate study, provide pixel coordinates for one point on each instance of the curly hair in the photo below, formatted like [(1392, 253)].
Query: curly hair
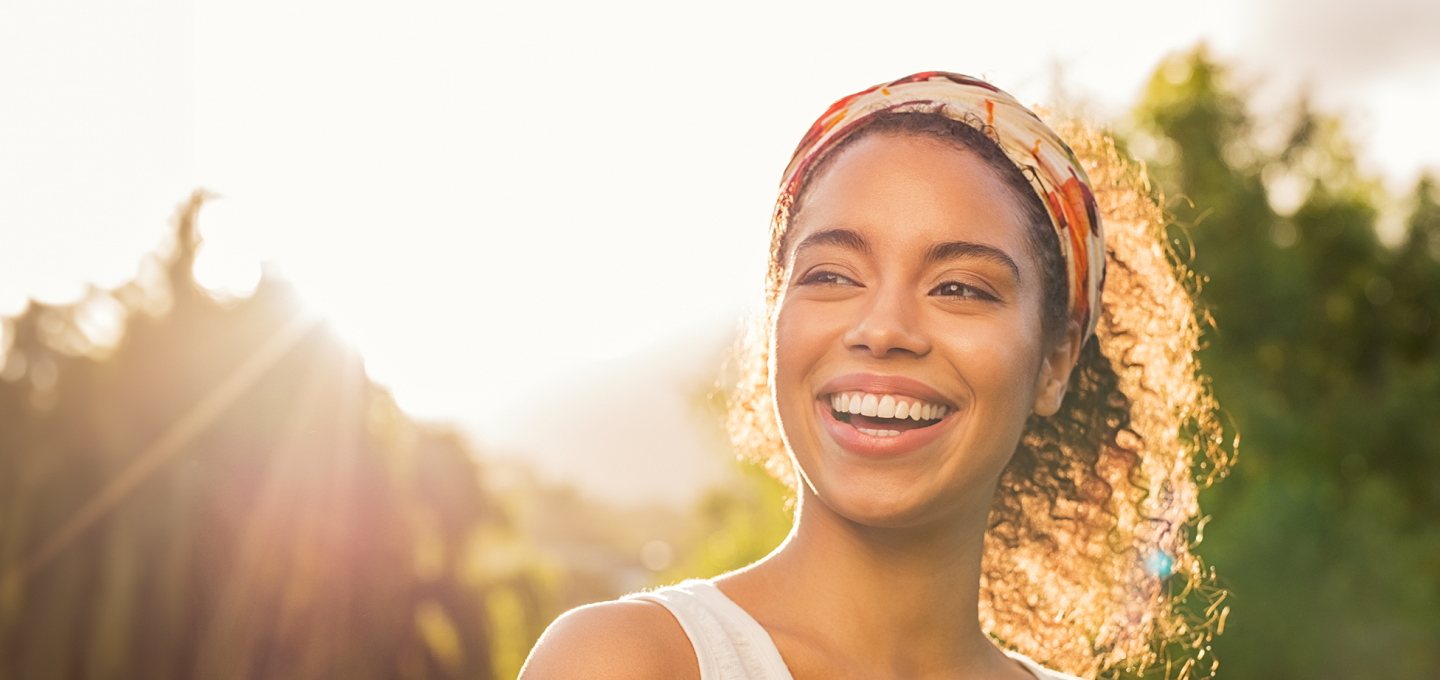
[(1088, 564)]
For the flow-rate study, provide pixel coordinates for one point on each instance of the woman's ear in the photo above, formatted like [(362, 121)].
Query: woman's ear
[(1055, 368)]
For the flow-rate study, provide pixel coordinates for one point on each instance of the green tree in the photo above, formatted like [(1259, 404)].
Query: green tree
[(1325, 350)]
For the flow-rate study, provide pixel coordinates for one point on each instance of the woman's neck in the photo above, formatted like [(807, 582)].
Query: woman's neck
[(887, 601)]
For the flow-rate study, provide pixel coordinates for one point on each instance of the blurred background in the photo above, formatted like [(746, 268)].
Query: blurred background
[(437, 351)]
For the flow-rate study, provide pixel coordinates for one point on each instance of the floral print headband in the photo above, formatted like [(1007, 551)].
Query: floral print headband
[(1045, 159)]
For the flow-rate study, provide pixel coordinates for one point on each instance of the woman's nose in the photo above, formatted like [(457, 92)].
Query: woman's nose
[(889, 322)]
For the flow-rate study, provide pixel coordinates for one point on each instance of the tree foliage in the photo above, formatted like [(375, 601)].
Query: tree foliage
[(1325, 350), (302, 527)]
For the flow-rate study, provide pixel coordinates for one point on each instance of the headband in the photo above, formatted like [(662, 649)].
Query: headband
[(1040, 154)]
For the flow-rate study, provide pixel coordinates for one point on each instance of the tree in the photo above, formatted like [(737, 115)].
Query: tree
[(1325, 349), (216, 489)]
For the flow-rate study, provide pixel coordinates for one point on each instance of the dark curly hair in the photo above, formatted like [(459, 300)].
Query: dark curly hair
[(1087, 562)]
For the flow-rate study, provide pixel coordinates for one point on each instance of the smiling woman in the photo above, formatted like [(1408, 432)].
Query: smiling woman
[(992, 464)]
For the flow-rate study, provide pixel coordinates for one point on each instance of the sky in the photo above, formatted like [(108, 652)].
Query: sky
[(497, 202)]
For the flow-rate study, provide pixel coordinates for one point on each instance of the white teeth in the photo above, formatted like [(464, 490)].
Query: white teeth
[(879, 433), (887, 407), (869, 406)]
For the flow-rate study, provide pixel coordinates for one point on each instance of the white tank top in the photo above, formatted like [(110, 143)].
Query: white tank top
[(730, 645)]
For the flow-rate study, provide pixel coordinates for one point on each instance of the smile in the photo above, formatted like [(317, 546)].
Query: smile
[(870, 424), (884, 415)]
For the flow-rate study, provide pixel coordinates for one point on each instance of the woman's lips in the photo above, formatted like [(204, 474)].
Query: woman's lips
[(873, 403), (852, 439)]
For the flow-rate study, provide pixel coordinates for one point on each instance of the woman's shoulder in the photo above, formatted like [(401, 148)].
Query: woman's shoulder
[(629, 639)]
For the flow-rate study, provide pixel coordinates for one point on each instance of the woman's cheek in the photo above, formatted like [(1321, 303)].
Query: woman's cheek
[(790, 340), (998, 365), (801, 339), (1012, 386)]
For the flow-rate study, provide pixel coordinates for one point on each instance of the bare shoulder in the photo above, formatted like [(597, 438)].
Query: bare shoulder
[(627, 639)]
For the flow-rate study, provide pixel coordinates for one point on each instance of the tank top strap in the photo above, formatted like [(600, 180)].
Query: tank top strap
[(729, 644)]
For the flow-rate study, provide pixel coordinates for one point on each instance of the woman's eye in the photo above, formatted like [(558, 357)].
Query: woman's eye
[(955, 289), (830, 278)]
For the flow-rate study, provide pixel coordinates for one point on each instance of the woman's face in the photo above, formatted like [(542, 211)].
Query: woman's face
[(908, 345)]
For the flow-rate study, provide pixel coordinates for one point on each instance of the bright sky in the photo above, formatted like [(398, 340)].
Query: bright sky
[(488, 198)]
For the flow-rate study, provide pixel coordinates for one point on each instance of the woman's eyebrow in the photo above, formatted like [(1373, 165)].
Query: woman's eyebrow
[(942, 252), (835, 237)]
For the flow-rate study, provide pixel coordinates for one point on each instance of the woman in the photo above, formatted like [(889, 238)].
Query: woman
[(984, 454)]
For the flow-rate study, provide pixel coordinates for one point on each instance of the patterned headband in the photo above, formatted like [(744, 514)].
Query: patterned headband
[(1053, 171)]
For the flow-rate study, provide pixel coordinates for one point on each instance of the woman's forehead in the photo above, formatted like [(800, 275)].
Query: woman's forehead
[(905, 191)]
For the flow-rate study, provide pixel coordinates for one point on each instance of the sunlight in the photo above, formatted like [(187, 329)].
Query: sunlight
[(465, 228), (226, 265)]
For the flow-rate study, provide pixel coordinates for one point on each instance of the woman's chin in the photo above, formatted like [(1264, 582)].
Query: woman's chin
[(882, 500), (896, 481)]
